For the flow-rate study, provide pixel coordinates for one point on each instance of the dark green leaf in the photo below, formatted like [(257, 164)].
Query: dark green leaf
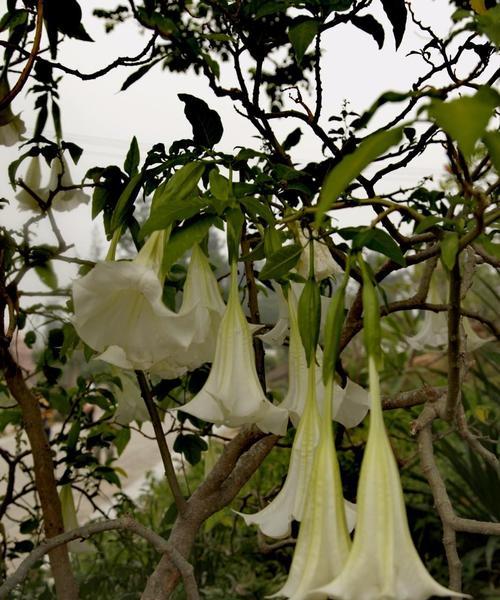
[(191, 446), (380, 241), (125, 205), (489, 24), (206, 123), (281, 262), (219, 185), (30, 339), (492, 141), (371, 314), (333, 330), (74, 151), (351, 166), (449, 249), (121, 440), (47, 275), (133, 158), (370, 25), (301, 35), (184, 238), (136, 75), (309, 317), (167, 214), (396, 12), (235, 220), (426, 223), (292, 139)]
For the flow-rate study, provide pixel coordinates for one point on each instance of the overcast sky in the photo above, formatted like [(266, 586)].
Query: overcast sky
[(103, 120)]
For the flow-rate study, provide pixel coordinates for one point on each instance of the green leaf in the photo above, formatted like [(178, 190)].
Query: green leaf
[(371, 314), (191, 446), (136, 75), (449, 249), (184, 238), (177, 210), (219, 185), (465, 119), (426, 223), (492, 141), (281, 262), (489, 24), (396, 13), (380, 241), (206, 123), (309, 317), (56, 118), (133, 158), (301, 35), (292, 139), (125, 204), (121, 440), (333, 330), (351, 166), (370, 25), (180, 186), (235, 220), (272, 241), (47, 275), (256, 207), (30, 339), (14, 165), (74, 151)]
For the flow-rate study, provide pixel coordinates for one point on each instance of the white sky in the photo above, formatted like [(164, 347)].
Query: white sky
[(96, 116)]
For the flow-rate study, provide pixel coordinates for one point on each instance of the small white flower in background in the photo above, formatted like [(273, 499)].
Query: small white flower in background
[(70, 521), (383, 563), (277, 335), (275, 519), (119, 312), (33, 180), (11, 126), (64, 200), (324, 265), (130, 405), (232, 394), (323, 542), (433, 332)]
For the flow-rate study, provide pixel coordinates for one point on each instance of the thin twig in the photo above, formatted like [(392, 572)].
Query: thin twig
[(162, 444), (6, 100)]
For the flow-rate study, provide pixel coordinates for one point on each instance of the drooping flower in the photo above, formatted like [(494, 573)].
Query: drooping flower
[(70, 520), (203, 300), (275, 519), (64, 200), (33, 181), (324, 265), (323, 542), (130, 405), (383, 563), (434, 329), (352, 402), (277, 335), (11, 126), (119, 312), (232, 394)]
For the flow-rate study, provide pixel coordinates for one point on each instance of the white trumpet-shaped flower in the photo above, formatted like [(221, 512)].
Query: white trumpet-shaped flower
[(130, 405), (11, 126), (434, 329), (232, 394), (324, 265), (32, 179), (63, 201), (323, 543), (70, 520), (275, 519), (351, 403), (119, 312), (383, 563), (277, 335)]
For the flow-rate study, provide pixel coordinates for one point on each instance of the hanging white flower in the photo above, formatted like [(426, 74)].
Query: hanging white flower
[(70, 521), (275, 519), (232, 394), (119, 312), (434, 329), (277, 335), (11, 126), (324, 265), (323, 542), (32, 179), (130, 404), (383, 562), (64, 200)]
